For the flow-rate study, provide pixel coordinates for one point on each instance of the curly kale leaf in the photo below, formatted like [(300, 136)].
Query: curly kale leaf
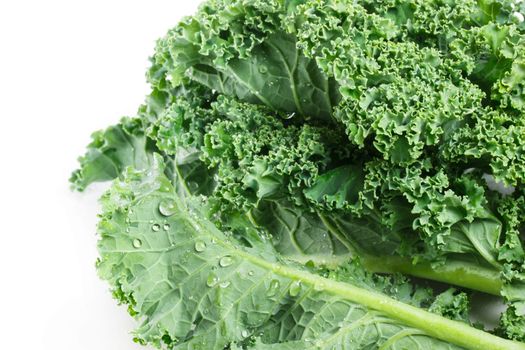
[(194, 286), (111, 151), (337, 129)]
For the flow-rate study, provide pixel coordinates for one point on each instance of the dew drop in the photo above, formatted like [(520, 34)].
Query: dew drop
[(200, 246), (295, 288), (167, 207), (244, 333), (225, 284), (155, 227), (193, 186), (193, 326), (137, 243), (166, 227), (273, 288), (212, 280), (226, 261), (250, 273), (290, 116), (263, 69)]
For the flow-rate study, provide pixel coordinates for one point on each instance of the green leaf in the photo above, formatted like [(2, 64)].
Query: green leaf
[(111, 151), (272, 72), (192, 286), (277, 75), (319, 129), (338, 188), (300, 235)]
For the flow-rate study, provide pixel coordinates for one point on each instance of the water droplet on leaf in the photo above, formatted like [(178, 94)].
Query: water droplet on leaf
[(225, 284), (155, 227), (226, 261), (137, 243), (212, 280), (200, 246), (193, 186), (166, 227), (273, 288), (167, 207), (295, 288)]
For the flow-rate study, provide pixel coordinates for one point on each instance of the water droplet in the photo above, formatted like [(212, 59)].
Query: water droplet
[(226, 261), (273, 288), (213, 241), (200, 246), (166, 227), (155, 227), (295, 288), (193, 326), (290, 116), (263, 69), (225, 284), (250, 273), (244, 333), (193, 186), (127, 229), (167, 207), (212, 280), (137, 243)]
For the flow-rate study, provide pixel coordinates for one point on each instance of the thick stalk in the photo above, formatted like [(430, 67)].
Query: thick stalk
[(458, 273)]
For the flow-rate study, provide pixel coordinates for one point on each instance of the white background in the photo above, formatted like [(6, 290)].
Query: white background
[(67, 68)]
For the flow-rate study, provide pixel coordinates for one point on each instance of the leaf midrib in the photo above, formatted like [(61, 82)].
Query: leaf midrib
[(434, 325)]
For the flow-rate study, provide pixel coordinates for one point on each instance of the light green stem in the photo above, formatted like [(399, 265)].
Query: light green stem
[(434, 325), (458, 273)]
